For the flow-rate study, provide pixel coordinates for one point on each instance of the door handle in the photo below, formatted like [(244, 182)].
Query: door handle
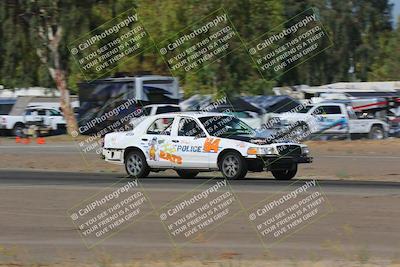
[(144, 139), (175, 141)]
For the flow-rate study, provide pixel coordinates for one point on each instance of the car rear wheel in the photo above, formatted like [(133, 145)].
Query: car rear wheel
[(233, 166), (18, 129), (187, 173), (136, 165), (285, 174), (376, 133)]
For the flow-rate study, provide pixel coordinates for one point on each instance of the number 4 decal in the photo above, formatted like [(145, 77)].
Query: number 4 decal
[(211, 144)]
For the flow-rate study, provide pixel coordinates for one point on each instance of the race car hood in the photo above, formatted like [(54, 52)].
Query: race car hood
[(260, 138), (249, 139)]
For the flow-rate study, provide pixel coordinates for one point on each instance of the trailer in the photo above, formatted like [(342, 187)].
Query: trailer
[(109, 103)]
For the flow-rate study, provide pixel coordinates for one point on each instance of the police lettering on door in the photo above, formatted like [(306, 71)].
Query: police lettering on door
[(186, 148)]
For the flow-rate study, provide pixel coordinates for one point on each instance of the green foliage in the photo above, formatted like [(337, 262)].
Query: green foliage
[(360, 30), (386, 66), (355, 28)]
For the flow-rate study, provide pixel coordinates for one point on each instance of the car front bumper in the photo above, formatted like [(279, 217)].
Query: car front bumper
[(288, 159), (274, 162)]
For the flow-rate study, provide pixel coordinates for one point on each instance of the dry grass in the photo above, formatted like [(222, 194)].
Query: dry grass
[(217, 263)]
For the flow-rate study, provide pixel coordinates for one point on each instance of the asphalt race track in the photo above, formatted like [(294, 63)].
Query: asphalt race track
[(363, 220)]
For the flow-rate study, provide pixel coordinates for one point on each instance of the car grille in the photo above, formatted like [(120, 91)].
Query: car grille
[(289, 150)]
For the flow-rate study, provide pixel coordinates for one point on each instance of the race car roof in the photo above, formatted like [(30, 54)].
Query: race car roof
[(143, 125), (194, 114)]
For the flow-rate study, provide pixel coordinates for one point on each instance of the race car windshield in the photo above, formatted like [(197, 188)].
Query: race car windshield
[(225, 125)]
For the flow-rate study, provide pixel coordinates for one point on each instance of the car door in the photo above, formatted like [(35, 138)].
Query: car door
[(357, 125), (42, 116), (35, 116), (331, 119), (188, 140), (48, 120), (155, 143), (29, 115)]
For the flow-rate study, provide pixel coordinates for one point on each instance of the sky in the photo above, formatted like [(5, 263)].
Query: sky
[(396, 10)]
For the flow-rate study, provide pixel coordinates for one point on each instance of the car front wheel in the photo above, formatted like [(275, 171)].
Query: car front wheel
[(233, 166), (287, 174), (136, 165)]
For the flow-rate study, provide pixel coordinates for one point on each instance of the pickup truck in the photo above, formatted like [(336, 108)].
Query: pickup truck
[(45, 117), (330, 118)]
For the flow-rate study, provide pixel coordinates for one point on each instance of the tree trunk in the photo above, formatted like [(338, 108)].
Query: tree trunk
[(51, 58), (65, 103)]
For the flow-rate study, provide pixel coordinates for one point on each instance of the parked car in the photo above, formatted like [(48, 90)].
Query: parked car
[(196, 141), (49, 118)]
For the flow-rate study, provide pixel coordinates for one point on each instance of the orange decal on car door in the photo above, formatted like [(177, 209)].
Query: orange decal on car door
[(211, 144)]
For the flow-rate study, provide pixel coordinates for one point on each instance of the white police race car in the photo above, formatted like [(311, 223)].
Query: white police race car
[(193, 142)]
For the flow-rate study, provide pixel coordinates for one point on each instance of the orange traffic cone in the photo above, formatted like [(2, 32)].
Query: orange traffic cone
[(17, 139), (26, 140), (40, 141)]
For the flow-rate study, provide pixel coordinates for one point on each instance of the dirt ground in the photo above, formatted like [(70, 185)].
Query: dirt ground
[(356, 234), (344, 160), (221, 263)]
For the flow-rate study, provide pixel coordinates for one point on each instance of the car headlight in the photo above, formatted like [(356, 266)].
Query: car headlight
[(260, 151), (305, 150)]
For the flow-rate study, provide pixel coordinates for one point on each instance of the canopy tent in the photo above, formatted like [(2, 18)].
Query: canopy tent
[(233, 104), (239, 104), (258, 104), (272, 104)]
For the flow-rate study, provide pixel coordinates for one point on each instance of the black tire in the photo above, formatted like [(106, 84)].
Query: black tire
[(136, 164), (18, 129), (377, 133), (61, 129), (285, 174), (187, 173), (233, 166)]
